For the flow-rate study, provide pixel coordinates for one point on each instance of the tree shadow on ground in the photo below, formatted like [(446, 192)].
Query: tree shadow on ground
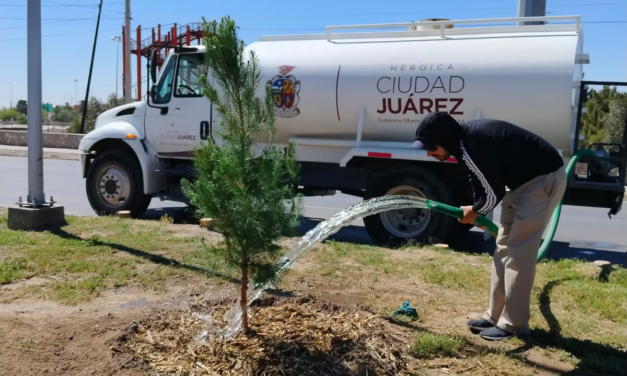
[(594, 358), (157, 259), (180, 215), (471, 241)]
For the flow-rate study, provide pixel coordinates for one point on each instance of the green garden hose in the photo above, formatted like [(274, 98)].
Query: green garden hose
[(493, 229)]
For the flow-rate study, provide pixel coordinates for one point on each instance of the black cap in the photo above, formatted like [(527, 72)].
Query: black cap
[(438, 129)]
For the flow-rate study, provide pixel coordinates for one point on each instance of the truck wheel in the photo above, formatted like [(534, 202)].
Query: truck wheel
[(394, 228), (114, 183)]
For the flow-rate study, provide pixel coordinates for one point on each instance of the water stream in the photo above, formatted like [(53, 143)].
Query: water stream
[(318, 234)]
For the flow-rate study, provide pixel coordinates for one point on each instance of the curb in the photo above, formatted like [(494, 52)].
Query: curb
[(47, 154)]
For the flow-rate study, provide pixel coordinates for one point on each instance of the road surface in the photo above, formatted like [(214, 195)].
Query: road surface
[(585, 232)]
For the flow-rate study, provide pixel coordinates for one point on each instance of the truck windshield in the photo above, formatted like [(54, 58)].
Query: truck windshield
[(191, 67), (164, 86)]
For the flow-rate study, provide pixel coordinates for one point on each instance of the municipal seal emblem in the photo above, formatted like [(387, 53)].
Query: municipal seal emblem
[(285, 88)]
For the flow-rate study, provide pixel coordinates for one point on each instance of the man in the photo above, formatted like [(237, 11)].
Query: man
[(497, 154)]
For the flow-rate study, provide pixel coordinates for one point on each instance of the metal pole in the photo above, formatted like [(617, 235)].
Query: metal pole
[(91, 67), (139, 62), (11, 85), (124, 65), (117, 58), (127, 54), (76, 91), (36, 194)]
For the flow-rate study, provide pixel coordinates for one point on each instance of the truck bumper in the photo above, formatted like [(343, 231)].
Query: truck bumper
[(82, 157)]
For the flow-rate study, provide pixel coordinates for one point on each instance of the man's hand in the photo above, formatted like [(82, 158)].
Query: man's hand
[(469, 215)]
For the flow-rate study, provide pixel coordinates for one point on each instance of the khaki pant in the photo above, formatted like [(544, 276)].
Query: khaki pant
[(525, 214)]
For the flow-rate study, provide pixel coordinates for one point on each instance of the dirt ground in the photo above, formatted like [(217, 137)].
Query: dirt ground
[(46, 338), (41, 337)]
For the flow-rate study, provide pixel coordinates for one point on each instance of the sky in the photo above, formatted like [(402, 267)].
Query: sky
[(68, 28)]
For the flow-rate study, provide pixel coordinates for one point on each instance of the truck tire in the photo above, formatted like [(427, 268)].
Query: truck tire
[(114, 183), (395, 228)]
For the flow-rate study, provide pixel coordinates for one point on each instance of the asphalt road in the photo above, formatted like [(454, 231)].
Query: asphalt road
[(582, 232)]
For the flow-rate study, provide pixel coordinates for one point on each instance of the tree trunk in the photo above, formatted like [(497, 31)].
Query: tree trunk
[(244, 299)]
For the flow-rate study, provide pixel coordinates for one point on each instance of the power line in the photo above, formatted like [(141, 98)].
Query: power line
[(59, 5), (603, 22), (56, 35), (61, 19), (56, 22), (24, 26)]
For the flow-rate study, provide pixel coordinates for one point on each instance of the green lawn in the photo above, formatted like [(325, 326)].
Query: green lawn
[(90, 255)]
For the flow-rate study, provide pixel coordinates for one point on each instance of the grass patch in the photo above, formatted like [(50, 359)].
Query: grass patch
[(72, 292), (608, 301), (428, 345), (26, 344), (12, 269), (455, 276), (90, 255), (211, 259)]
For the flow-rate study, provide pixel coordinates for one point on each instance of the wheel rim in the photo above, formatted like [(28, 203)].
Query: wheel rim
[(114, 186), (406, 223)]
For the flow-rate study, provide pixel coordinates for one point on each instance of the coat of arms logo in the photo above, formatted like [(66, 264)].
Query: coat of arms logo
[(285, 88)]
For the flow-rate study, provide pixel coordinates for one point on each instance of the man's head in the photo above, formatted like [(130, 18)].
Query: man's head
[(439, 134), (440, 154)]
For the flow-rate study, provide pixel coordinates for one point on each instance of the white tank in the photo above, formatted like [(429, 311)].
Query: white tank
[(526, 75)]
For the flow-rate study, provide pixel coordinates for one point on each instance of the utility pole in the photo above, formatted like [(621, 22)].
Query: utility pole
[(76, 91), (91, 68), (117, 54), (35, 212), (11, 86), (127, 54), (36, 196), (531, 8)]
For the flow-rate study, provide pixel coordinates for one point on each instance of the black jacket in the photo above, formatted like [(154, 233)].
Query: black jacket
[(496, 154)]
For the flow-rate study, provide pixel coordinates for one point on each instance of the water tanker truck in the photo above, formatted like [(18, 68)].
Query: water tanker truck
[(350, 99)]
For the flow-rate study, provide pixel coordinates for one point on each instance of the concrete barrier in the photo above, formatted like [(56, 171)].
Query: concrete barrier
[(45, 123), (50, 140)]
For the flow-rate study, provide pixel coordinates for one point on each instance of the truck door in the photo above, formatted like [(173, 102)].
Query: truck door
[(189, 118)]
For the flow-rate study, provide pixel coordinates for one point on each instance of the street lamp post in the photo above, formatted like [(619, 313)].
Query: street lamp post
[(76, 90), (11, 86), (116, 39)]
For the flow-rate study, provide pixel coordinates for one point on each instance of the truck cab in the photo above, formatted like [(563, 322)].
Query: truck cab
[(137, 150)]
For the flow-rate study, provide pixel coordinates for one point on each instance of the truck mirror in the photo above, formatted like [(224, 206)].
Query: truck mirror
[(153, 66), (153, 92)]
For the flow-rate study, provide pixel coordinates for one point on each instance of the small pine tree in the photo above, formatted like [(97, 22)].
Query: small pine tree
[(249, 195)]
